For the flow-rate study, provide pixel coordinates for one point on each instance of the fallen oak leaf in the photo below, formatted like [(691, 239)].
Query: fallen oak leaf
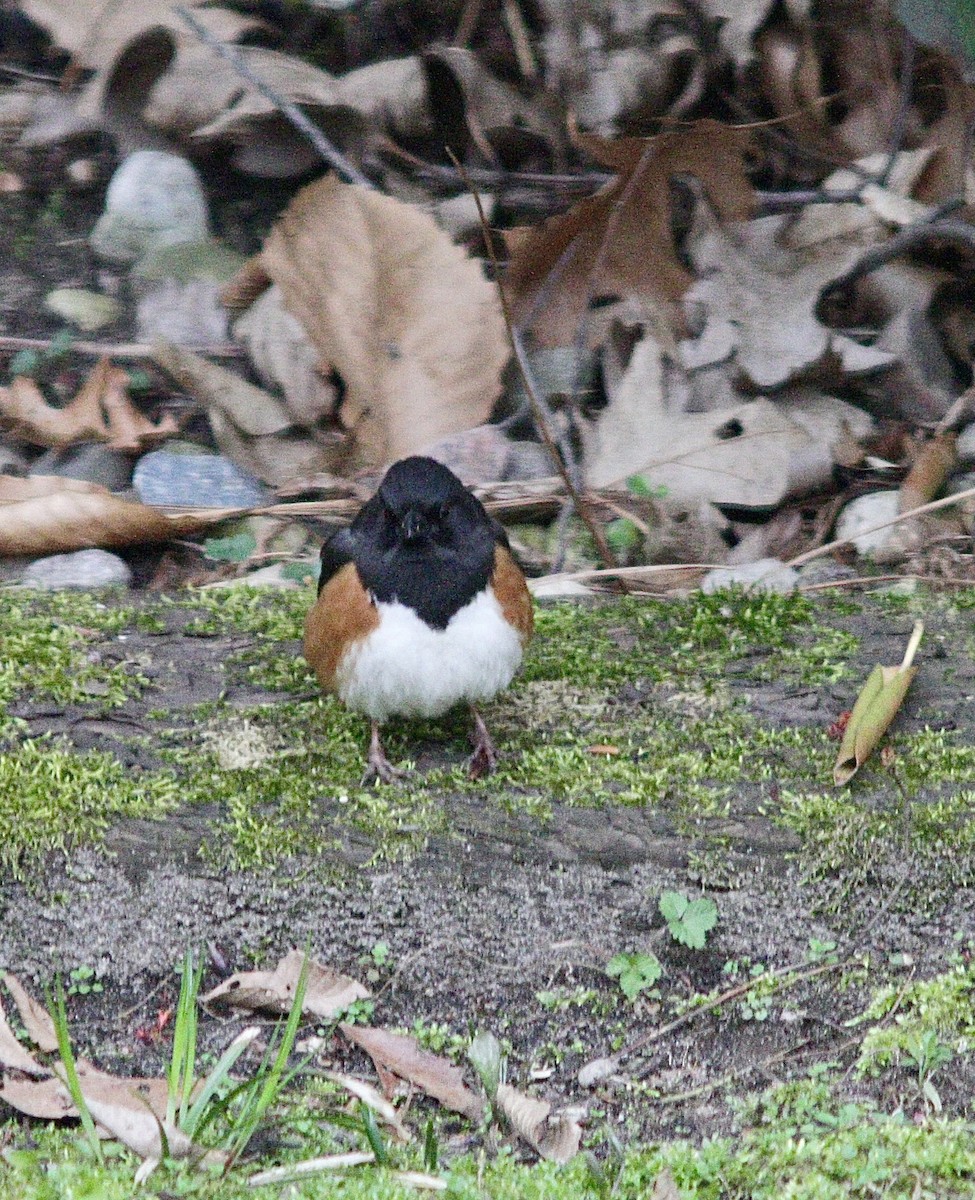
[(66, 518), (620, 242), (401, 1055), (102, 411), (876, 706), (555, 1136), (327, 992)]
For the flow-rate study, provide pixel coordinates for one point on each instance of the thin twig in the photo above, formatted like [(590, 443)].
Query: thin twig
[(740, 989), (539, 408), (113, 349), (329, 152), (931, 506)]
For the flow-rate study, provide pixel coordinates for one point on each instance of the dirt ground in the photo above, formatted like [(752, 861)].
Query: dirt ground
[(502, 905)]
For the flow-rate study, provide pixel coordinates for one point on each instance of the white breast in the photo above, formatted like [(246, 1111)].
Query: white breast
[(405, 668)]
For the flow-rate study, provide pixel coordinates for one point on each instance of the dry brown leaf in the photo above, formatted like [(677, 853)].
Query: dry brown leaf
[(556, 1136), (101, 411), (935, 461), (750, 455), (66, 518), (435, 1075), (769, 290), (327, 992), (44, 1099), (625, 230), (13, 1055), (204, 98), (251, 427), (622, 65), (95, 34), (37, 1020), (404, 317), (282, 354)]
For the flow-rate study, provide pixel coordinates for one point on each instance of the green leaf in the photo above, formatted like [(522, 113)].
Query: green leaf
[(301, 571), (622, 535), (25, 362), (689, 921), (238, 548), (635, 972)]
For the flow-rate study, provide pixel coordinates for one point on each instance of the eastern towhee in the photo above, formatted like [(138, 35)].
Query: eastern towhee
[(420, 606)]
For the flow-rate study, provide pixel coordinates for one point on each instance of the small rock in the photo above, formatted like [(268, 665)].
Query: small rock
[(965, 446), (825, 570), (90, 461), (485, 454), (12, 463), (272, 576), (863, 514), (189, 314), (82, 569), (765, 575), (155, 199), (82, 307), (196, 481)]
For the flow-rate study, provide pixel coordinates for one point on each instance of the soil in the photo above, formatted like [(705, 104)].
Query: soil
[(504, 906)]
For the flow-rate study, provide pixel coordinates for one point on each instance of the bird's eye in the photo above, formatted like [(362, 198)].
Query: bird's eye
[(440, 512)]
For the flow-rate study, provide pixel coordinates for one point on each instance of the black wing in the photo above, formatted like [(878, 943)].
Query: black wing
[(337, 551)]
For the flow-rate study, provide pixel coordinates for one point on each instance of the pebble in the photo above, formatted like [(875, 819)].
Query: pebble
[(764, 575), (862, 514), (825, 570), (82, 307), (196, 481), (154, 199), (82, 569), (551, 586), (91, 461), (485, 455)]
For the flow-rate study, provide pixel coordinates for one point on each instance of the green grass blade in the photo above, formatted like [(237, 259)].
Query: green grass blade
[(71, 1080)]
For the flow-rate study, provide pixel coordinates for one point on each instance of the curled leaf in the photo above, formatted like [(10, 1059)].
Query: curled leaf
[(876, 706)]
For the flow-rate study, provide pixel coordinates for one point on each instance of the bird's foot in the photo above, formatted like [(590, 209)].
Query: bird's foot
[(379, 767), (485, 757)]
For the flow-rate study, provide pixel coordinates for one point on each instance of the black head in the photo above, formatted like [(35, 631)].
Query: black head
[(425, 540)]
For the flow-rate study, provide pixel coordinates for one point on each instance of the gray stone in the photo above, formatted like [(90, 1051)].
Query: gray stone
[(765, 575), (196, 481), (825, 570), (82, 307), (857, 520), (82, 569), (155, 199), (91, 461)]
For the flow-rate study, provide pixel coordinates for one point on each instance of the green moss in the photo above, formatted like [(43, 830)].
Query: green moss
[(47, 642), (906, 1016), (52, 799), (800, 1142), (271, 613)]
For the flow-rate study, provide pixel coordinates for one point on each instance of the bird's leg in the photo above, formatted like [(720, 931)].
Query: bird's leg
[(485, 757), (379, 765)]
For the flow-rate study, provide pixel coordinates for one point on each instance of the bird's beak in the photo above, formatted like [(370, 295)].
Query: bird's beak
[(413, 526)]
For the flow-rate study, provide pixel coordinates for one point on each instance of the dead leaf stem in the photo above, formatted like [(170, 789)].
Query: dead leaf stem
[(540, 411)]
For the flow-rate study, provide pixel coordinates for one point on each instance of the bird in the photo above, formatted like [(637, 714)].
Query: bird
[(421, 607)]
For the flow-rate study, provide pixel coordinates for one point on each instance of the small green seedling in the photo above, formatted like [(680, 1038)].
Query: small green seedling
[(83, 982), (237, 548), (634, 972), (689, 921)]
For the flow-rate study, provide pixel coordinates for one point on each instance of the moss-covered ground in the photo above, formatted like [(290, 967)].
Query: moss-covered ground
[(159, 754)]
